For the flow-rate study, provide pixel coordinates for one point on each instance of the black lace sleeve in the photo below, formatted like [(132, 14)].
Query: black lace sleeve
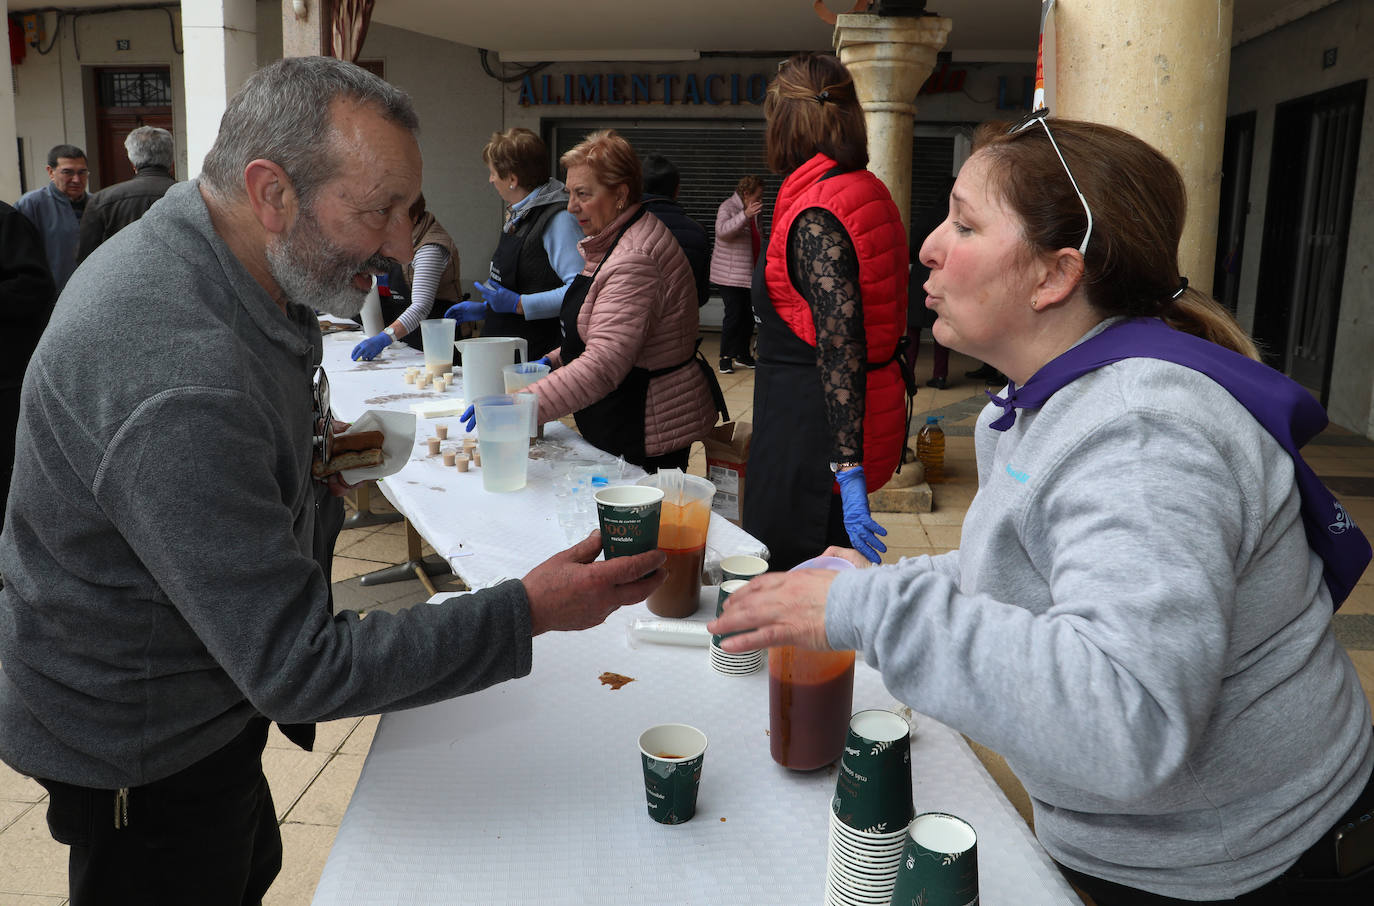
[(824, 268)]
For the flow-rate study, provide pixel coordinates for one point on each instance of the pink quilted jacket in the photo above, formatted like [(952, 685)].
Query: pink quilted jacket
[(640, 310), (732, 258)]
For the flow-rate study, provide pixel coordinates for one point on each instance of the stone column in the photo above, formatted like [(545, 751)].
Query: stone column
[(302, 28), (1158, 70), (220, 41), (890, 58)]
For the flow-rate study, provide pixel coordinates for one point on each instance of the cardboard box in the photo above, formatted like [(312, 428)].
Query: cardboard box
[(727, 460)]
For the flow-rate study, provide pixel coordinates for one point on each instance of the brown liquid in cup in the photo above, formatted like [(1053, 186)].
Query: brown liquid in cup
[(678, 596), (665, 755), (811, 698)]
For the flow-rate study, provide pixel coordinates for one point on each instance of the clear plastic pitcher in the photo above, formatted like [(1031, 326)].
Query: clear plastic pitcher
[(810, 697), (520, 376), (436, 335), (682, 525), (503, 438), (483, 359)]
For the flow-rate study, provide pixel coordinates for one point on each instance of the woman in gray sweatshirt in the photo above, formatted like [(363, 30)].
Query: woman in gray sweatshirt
[(1139, 615)]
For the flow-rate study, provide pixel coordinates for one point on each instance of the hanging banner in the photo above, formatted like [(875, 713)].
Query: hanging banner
[(1044, 59)]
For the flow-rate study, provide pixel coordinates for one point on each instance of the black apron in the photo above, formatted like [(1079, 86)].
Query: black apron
[(615, 423), (789, 499), (541, 334)]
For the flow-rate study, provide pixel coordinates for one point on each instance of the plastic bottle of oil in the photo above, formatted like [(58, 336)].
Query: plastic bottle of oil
[(930, 448)]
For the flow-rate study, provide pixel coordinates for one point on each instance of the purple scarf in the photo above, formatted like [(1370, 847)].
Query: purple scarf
[(1284, 408)]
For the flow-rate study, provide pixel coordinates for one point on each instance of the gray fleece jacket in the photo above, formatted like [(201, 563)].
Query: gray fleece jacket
[(159, 586), (1135, 620)]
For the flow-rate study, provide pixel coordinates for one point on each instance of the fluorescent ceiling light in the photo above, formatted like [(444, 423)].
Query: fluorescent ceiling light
[(596, 56)]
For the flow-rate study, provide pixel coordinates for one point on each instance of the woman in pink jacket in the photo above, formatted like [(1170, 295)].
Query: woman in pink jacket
[(738, 239), (628, 369)]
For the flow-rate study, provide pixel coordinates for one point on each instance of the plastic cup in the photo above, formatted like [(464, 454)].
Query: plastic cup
[(671, 755), (873, 789), (742, 566), (436, 336), (629, 519), (521, 375), (682, 537), (503, 442), (939, 864)]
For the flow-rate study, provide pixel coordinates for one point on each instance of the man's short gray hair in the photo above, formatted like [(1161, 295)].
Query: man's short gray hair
[(282, 114), (149, 146)]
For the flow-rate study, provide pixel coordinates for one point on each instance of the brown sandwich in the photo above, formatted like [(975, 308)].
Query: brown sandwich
[(359, 450)]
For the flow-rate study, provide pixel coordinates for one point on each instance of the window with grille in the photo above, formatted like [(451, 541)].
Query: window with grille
[(147, 88)]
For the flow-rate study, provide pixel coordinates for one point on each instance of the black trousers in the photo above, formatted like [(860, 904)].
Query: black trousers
[(737, 327), (207, 834), (1312, 881)]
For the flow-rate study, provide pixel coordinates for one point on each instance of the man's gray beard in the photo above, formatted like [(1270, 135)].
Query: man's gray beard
[(314, 272)]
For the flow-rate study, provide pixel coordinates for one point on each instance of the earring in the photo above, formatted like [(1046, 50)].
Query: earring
[(512, 185), (1035, 304)]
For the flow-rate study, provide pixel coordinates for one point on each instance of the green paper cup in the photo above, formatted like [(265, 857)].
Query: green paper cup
[(629, 519), (727, 588), (873, 790), (742, 566), (672, 755), (940, 863)]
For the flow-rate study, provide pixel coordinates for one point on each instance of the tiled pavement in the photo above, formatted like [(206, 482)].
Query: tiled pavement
[(312, 789)]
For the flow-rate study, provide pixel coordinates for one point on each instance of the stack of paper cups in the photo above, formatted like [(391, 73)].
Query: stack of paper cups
[(726, 662), (871, 810)]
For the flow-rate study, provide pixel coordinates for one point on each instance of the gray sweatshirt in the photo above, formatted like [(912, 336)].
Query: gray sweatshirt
[(159, 586), (1135, 621)]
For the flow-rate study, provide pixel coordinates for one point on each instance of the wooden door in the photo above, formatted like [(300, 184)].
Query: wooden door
[(126, 98)]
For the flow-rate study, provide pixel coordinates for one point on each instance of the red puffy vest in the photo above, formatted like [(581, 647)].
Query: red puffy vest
[(865, 208)]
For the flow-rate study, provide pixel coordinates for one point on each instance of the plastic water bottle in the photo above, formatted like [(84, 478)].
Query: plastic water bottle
[(930, 448)]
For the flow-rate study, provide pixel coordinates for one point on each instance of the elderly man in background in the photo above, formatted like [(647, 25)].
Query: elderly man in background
[(161, 602), (56, 209), (110, 210)]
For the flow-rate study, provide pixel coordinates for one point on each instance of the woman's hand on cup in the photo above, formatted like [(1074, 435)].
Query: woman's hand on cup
[(848, 553), (776, 609)]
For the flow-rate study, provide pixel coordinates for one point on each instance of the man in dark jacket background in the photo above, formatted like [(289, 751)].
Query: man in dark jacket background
[(27, 296), (111, 209), (661, 180)]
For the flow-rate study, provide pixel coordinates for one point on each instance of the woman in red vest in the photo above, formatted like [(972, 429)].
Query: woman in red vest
[(829, 401)]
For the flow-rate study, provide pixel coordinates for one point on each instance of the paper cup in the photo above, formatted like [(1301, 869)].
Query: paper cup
[(742, 566), (727, 588), (940, 863), (873, 789), (629, 519), (671, 755)]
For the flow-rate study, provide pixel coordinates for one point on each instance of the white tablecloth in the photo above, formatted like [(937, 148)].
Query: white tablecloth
[(486, 537), (531, 792)]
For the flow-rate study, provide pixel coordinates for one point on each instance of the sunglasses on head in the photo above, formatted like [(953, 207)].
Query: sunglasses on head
[(1039, 116)]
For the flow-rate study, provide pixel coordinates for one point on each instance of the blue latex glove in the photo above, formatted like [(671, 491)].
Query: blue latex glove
[(469, 418), (544, 361), (498, 297), (467, 311), (368, 349), (857, 520)]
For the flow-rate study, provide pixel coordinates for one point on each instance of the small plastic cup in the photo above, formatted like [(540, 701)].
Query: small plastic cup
[(939, 865), (672, 755)]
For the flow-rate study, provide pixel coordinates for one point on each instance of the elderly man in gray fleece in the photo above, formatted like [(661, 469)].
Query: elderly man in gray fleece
[(160, 600)]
